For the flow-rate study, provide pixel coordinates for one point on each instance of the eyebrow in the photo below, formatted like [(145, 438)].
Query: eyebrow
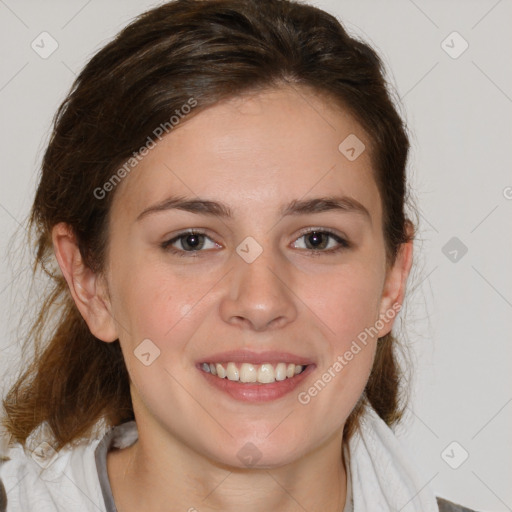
[(344, 204)]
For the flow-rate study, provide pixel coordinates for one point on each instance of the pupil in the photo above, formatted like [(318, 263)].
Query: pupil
[(315, 239), (192, 241)]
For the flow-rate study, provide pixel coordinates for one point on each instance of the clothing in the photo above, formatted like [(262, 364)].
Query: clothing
[(379, 476)]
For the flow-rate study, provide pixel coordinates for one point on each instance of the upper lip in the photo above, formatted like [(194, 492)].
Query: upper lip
[(248, 356)]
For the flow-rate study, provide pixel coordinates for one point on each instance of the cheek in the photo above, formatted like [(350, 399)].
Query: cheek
[(347, 301), (346, 305), (152, 302), (157, 306)]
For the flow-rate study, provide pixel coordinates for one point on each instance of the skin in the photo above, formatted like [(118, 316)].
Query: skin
[(253, 153)]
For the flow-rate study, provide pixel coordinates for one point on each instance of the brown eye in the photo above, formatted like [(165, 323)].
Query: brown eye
[(189, 242), (321, 241)]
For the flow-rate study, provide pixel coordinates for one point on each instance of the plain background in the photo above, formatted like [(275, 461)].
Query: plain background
[(458, 316)]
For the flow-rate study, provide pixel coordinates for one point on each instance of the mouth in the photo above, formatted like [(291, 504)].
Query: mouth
[(248, 373), (255, 377)]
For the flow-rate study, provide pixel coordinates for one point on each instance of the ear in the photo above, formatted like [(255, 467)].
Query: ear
[(88, 289), (395, 284)]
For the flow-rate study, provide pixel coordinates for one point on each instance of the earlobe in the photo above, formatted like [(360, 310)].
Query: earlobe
[(87, 288)]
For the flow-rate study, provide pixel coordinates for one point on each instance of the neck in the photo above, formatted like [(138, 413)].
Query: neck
[(144, 477)]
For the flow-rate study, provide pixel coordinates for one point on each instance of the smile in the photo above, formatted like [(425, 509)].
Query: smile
[(266, 373)]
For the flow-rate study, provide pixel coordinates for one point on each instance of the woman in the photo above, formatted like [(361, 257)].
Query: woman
[(224, 193)]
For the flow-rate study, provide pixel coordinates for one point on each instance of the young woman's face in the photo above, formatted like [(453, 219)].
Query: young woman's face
[(253, 285)]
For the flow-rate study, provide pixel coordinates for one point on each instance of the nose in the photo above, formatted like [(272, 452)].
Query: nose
[(260, 294)]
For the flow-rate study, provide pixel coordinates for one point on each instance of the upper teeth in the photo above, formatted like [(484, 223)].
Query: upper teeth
[(246, 372)]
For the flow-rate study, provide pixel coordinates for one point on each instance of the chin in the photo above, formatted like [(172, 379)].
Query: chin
[(251, 453)]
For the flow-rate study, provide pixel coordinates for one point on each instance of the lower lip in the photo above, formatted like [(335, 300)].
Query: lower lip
[(247, 392)]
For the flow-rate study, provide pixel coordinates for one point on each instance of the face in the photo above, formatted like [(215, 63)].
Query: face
[(275, 257)]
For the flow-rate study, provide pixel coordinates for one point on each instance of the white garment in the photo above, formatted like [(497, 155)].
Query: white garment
[(69, 484), (380, 477), (383, 478)]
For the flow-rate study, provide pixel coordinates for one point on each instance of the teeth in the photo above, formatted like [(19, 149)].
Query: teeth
[(221, 372), (232, 372), (264, 373), (248, 373), (281, 371)]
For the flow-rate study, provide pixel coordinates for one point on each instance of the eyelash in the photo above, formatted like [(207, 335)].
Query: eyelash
[(343, 244)]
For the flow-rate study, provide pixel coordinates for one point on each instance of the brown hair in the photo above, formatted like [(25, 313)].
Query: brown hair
[(208, 50)]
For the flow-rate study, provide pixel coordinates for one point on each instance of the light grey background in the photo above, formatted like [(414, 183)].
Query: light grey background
[(459, 110)]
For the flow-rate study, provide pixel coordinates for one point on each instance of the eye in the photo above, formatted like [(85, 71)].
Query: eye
[(316, 242), (321, 242), (190, 242)]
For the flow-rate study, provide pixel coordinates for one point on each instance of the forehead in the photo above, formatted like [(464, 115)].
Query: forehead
[(256, 151)]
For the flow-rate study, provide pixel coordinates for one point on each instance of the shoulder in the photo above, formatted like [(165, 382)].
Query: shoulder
[(448, 506), (49, 481)]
